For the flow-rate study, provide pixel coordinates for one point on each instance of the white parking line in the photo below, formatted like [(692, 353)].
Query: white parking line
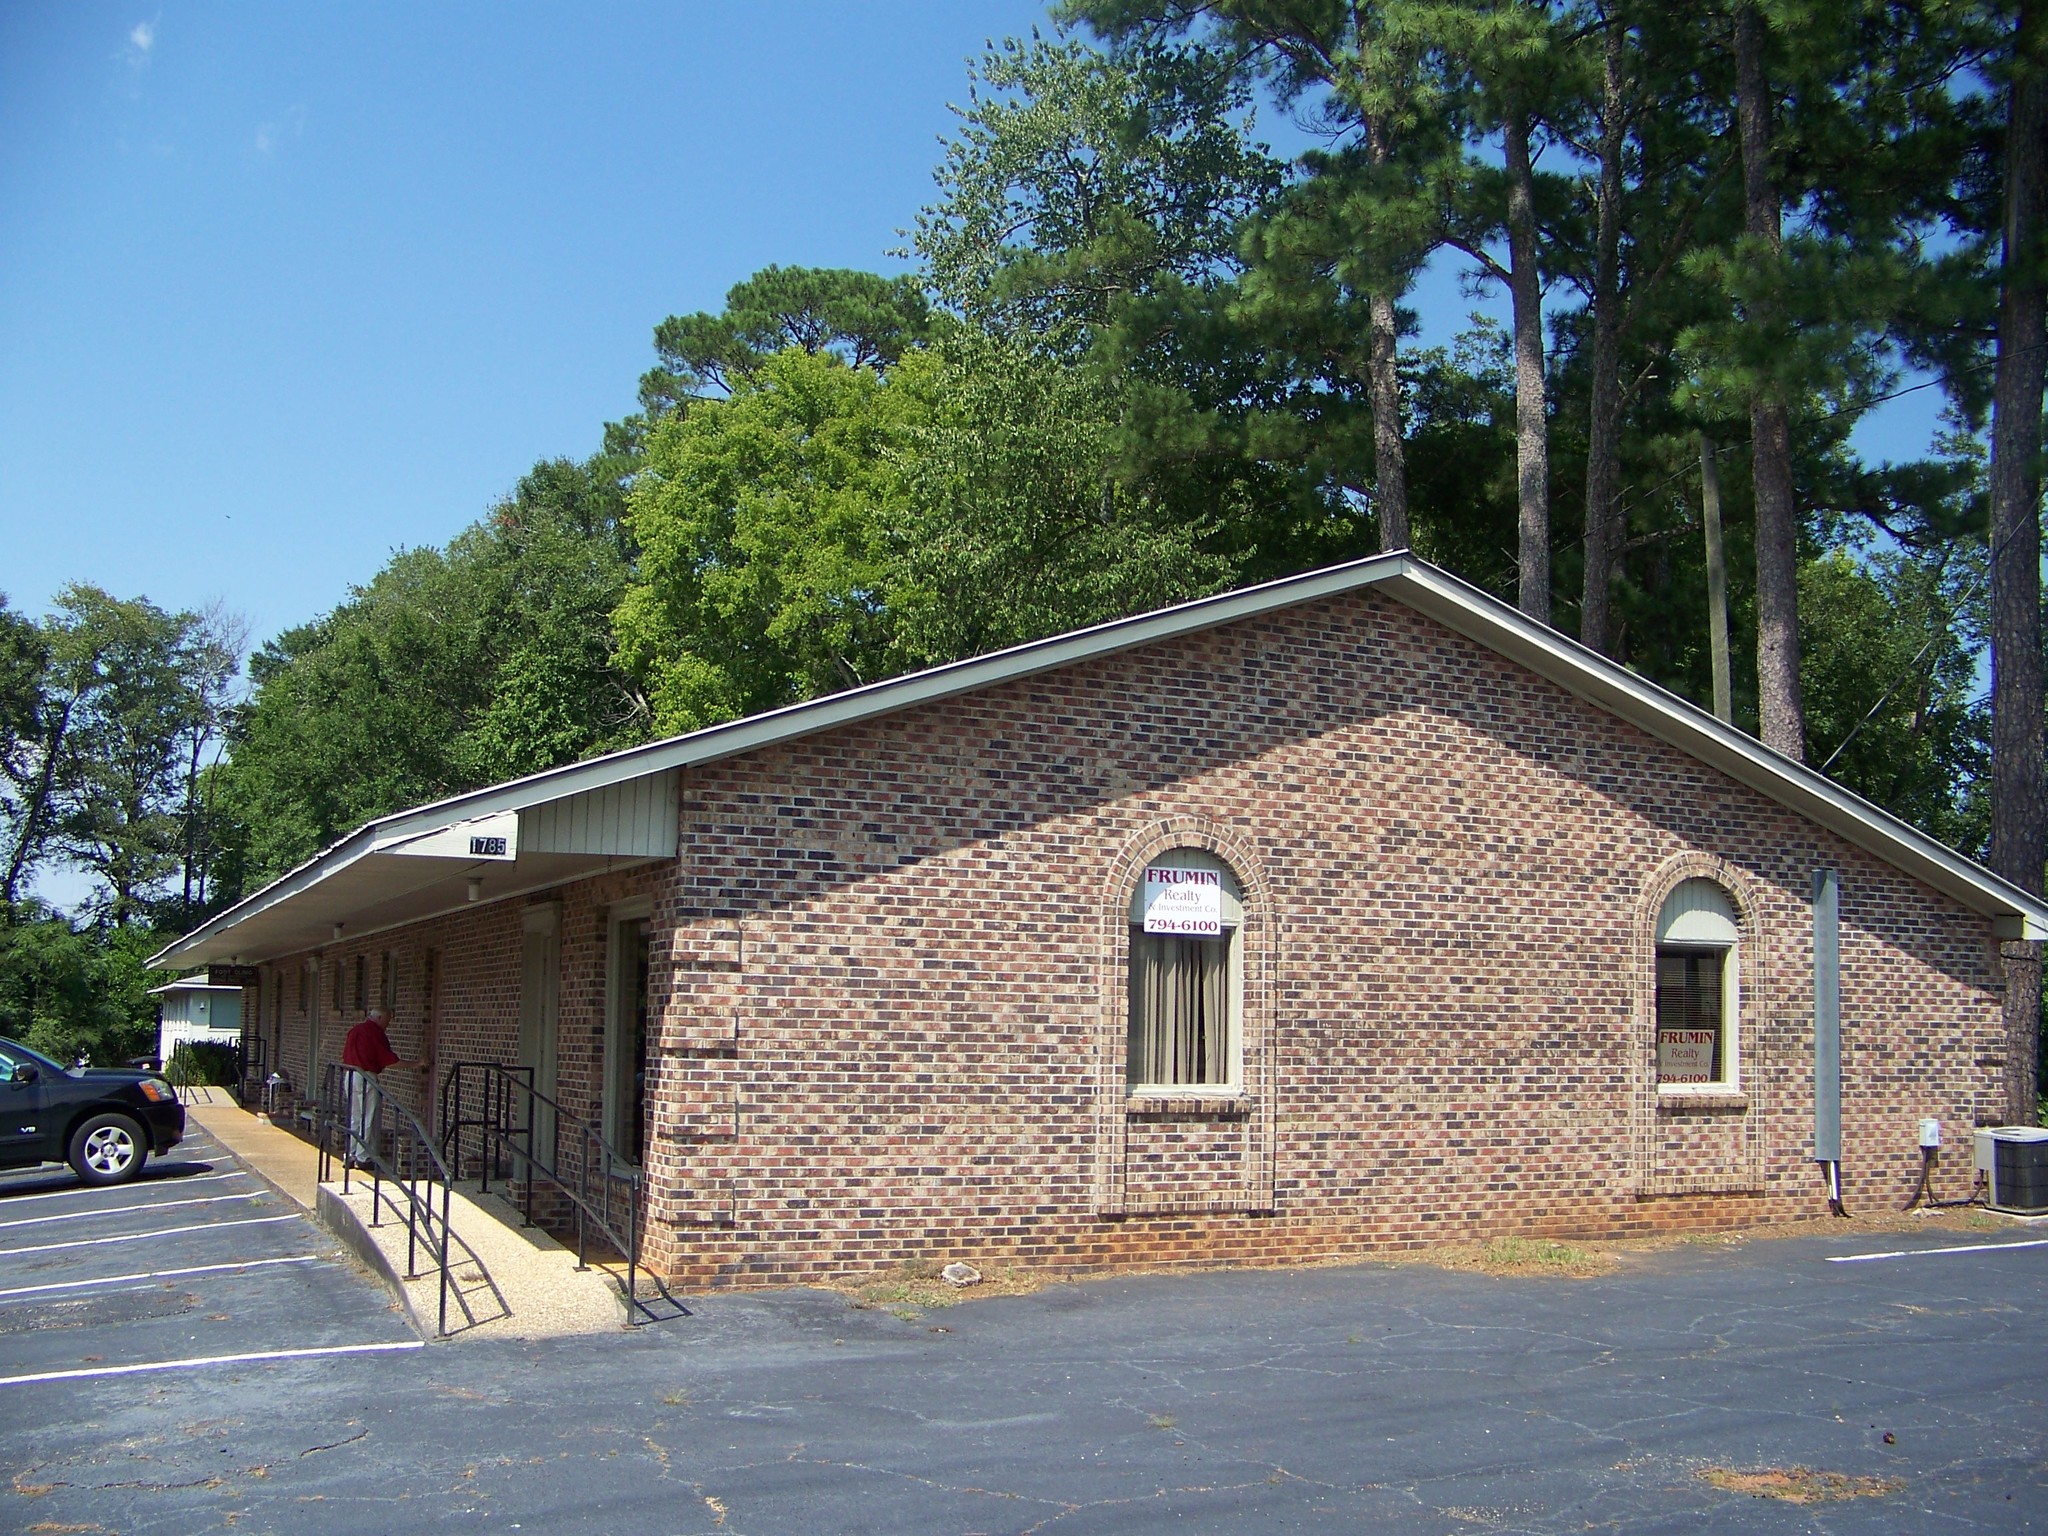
[(126, 1189), (199, 1360), (137, 1237), (156, 1274), (1915, 1253), (123, 1210)]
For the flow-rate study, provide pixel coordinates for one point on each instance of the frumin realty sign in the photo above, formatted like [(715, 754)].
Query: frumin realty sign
[(1183, 901)]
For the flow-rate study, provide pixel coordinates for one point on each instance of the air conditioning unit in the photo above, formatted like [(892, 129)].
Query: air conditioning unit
[(2014, 1162)]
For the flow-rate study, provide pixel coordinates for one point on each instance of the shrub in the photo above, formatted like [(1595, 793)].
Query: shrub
[(204, 1064)]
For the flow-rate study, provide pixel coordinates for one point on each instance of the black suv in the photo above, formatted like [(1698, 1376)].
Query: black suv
[(103, 1121)]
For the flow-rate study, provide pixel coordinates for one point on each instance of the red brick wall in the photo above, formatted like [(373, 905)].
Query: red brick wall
[(889, 970)]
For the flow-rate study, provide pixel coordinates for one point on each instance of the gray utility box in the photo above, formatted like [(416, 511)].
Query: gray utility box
[(2014, 1162)]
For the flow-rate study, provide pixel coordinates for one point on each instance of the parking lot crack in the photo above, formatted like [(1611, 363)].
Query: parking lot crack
[(361, 1434)]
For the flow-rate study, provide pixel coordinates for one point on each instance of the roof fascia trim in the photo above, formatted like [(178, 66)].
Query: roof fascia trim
[(753, 732), (357, 845), (1677, 720)]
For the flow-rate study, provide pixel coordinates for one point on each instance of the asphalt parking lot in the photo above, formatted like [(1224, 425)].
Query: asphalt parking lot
[(1344, 1399), (194, 1260)]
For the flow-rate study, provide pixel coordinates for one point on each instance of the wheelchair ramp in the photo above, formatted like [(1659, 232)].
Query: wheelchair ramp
[(508, 1281)]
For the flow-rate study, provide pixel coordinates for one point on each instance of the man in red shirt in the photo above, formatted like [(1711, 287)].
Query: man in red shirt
[(364, 1056)]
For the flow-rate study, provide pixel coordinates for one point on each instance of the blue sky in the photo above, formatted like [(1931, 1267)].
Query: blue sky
[(283, 288)]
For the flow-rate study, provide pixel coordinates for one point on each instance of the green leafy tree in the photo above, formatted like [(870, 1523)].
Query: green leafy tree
[(1081, 181), (1846, 118), (1331, 258), (1891, 685), (100, 785), (550, 564), (1509, 65), (1019, 517), (23, 657), (761, 527), (1092, 207), (865, 320), (825, 527), (210, 663), (356, 714), (69, 989), (449, 670)]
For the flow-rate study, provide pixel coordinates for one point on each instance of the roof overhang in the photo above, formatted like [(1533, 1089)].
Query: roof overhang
[(435, 860), (419, 863)]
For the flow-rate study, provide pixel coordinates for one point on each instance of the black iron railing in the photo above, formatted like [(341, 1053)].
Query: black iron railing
[(494, 1120), (374, 1135), (255, 1068)]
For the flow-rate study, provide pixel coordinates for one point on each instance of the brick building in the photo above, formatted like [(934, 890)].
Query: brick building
[(1349, 912)]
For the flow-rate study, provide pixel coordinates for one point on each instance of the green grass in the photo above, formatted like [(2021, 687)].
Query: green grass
[(1535, 1255)]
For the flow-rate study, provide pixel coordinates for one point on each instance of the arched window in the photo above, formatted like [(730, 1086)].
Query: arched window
[(1186, 974), (1698, 946)]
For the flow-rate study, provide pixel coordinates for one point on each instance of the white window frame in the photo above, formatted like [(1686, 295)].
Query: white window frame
[(1692, 931), (1233, 939)]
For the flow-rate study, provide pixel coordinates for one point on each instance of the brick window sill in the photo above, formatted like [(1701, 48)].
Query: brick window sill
[(1704, 1100), (1187, 1106)]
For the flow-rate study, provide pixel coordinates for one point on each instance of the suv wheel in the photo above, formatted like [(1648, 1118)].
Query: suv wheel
[(108, 1149)]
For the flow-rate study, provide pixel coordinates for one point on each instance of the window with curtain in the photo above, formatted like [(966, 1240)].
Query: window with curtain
[(1185, 988), (1697, 943)]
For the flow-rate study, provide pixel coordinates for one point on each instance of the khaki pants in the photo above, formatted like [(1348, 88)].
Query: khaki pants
[(365, 1101)]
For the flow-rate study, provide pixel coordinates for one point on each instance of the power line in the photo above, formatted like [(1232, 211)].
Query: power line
[(1641, 494)]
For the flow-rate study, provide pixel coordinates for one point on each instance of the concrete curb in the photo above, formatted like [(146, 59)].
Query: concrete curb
[(341, 1222)]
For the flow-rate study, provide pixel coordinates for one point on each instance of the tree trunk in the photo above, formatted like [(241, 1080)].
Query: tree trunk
[(1603, 441), (1390, 465), (190, 851), (1782, 714), (1383, 391), (2019, 820), (1717, 579), (34, 826), (1532, 416)]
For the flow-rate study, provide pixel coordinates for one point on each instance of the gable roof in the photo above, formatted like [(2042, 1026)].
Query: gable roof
[(1429, 590)]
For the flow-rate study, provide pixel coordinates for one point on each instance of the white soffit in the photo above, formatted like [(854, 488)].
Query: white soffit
[(494, 839), (413, 866), (628, 800)]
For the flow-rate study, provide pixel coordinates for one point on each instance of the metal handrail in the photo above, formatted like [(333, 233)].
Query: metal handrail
[(509, 1117), (395, 1147), (249, 1086)]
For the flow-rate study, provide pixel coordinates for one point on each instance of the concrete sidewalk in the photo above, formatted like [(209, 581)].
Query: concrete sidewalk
[(283, 1161)]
